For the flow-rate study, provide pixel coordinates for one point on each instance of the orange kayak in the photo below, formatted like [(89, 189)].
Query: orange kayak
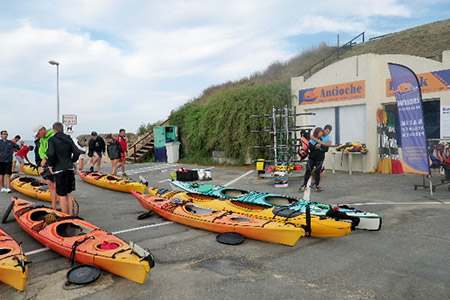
[(13, 263), (77, 239), (320, 226), (112, 182), (222, 221)]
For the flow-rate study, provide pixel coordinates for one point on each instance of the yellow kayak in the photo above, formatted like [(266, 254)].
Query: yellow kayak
[(319, 226), (32, 187), (31, 170), (112, 182), (13, 263)]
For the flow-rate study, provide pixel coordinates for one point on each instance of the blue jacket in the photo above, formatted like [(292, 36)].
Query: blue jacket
[(6, 150)]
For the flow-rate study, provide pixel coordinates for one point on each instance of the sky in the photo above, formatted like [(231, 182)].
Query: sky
[(124, 63)]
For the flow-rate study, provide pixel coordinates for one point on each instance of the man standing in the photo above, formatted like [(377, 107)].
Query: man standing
[(43, 135), (62, 154), (122, 139), (97, 147), (6, 159)]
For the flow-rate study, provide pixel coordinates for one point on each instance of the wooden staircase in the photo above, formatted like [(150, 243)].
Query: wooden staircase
[(144, 147)]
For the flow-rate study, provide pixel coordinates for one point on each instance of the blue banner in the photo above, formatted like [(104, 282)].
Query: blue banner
[(410, 117)]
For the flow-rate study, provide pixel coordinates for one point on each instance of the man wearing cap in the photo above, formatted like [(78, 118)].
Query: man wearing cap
[(6, 158), (97, 147), (43, 135)]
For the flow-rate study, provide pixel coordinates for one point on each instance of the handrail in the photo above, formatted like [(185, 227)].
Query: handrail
[(350, 43), (145, 137)]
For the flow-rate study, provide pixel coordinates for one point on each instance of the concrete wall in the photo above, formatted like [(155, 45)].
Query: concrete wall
[(373, 69)]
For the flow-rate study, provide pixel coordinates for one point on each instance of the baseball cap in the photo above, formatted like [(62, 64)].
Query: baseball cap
[(36, 129), (94, 133)]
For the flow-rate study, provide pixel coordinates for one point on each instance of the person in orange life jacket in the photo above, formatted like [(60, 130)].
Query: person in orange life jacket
[(122, 139), (315, 158), (326, 143), (7, 148), (114, 152), (21, 155), (62, 154)]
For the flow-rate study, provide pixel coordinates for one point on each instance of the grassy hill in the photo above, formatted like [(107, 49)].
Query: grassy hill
[(218, 120)]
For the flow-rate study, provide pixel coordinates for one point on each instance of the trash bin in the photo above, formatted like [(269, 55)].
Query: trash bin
[(173, 152), (160, 154)]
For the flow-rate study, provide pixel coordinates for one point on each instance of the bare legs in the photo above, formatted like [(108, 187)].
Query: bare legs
[(95, 161), (52, 189), (115, 166), (66, 203)]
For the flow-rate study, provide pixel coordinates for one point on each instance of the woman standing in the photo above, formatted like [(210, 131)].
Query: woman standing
[(114, 152), (315, 160)]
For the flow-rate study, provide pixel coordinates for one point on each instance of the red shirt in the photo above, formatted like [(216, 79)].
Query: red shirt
[(23, 151), (123, 143)]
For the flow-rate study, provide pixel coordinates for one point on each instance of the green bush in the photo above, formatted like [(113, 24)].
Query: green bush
[(224, 123)]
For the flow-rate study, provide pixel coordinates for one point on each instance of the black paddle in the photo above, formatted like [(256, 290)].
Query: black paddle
[(144, 215), (7, 212)]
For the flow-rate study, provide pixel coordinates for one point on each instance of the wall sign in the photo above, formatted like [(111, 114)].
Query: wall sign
[(331, 93), (431, 82)]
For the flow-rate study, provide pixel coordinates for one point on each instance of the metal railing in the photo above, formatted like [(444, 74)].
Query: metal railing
[(142, 142), (339, 51)]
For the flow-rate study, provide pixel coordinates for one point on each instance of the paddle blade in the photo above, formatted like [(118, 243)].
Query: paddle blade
[(7, 211)]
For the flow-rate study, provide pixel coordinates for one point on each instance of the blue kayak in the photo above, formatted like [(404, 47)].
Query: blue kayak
[(367, 220)]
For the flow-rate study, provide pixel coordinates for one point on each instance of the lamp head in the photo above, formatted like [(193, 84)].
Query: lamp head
[(52, 62)]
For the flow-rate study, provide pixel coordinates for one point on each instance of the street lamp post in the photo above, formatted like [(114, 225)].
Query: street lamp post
[(52, 62)]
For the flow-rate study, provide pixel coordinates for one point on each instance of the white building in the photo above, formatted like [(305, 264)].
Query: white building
[(347, 94)]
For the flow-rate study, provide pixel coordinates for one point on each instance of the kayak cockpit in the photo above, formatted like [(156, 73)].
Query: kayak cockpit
[(281, 200), (234, 193), (69, 229), (199, 211)]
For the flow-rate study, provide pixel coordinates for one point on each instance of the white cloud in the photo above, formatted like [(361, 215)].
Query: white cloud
[(127, 62)]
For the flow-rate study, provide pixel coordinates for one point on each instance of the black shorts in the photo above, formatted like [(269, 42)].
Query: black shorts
[(5, 168), (47, 175), (65, 182)]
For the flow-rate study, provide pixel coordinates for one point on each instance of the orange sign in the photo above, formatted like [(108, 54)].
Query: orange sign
[(429, 82), (331, 93)]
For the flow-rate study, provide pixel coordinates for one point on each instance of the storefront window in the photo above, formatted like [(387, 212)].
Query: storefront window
[(431, 113)]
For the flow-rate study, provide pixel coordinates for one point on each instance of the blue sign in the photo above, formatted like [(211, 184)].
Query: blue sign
[(411, 120)]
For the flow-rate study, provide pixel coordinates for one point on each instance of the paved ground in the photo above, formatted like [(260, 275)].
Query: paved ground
[(407, 259)]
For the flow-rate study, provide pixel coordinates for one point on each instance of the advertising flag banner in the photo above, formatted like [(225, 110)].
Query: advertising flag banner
[(411, 120)]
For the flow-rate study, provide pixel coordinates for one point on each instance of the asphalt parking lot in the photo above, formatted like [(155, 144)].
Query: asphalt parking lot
[(408, 258)]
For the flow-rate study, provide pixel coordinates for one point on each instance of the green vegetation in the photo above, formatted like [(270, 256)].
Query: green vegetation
[(219, 120), (224, 124)]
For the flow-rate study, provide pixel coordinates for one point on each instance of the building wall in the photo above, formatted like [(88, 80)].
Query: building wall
[(373, 70)]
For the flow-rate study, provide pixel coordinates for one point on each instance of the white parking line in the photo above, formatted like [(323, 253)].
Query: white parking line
[(234, 180), (29, 253), (142, 227)]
